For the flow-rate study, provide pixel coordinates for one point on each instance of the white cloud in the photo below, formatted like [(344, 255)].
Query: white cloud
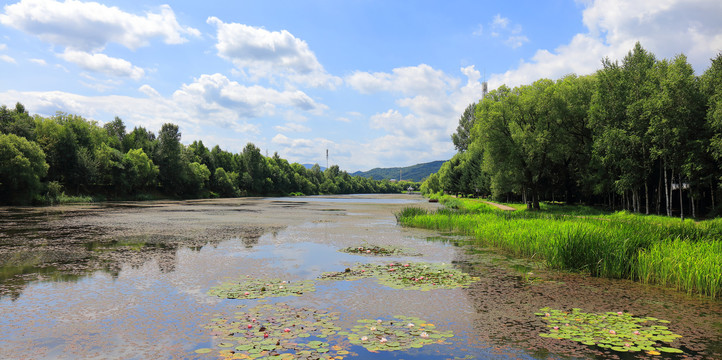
[(665, 28), (502, 28), (7, 58), (215, 95), (270, 54), (89, 26), (343, 119), (3, 46), (429, 108), (84, 29), (292, 127), (411, 80), (103, 64), (148, 91), (39, 62)]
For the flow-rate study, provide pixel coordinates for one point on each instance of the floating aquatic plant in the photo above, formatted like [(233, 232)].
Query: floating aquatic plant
[(618, 331), (261, 288), (400, 333), (276, 331), (375, 250), (416, 276)]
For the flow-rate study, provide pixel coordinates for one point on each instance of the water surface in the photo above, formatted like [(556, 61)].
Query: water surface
[(129, 280)]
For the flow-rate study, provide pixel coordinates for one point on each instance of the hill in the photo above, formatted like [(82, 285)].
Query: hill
[(413, 173)]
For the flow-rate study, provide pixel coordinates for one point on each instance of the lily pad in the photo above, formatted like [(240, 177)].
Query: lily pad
[(408, 276), (375, 250), (399, 333), (261, 288), (275, 330), (618, 331)]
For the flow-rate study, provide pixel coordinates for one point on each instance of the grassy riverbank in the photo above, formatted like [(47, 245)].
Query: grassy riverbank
[(686, 255)]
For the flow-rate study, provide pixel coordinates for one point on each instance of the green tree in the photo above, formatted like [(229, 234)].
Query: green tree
[(140, 173), (172, 174), (22, 166), (461, 138)]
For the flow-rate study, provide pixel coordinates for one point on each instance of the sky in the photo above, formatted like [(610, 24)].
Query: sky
[(376, 83)]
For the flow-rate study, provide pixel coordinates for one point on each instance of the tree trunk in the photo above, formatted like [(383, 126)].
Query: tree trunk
[(659, 191), (681, 204), (691, 198), (666, 192), (646, 198), (711, 191)]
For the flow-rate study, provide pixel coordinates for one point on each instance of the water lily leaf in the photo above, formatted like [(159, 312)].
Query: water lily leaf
[(261, 288), (408, 276), (618, 331), (203, 351)]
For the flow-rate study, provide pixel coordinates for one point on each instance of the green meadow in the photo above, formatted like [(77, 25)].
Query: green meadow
[(685, 255)]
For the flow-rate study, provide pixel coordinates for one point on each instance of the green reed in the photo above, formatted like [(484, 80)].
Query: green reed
[(652, 249)]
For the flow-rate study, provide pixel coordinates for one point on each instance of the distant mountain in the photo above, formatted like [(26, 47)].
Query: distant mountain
[(309, 166), (413, 173)]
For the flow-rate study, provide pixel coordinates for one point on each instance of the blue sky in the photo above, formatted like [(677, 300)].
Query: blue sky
[(377, 83)]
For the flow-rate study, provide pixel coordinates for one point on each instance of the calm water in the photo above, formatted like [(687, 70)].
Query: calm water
[(129, 281)]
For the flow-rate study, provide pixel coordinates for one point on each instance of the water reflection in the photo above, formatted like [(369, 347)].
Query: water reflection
[(130, 281)]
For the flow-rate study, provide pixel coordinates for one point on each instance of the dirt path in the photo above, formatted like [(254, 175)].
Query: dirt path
[(499, 206)]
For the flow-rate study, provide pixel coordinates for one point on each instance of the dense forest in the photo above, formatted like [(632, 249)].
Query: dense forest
[(51, 159), (417, 172), (643, 135)]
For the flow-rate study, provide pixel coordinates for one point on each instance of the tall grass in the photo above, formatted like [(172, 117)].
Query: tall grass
[(651, 249)]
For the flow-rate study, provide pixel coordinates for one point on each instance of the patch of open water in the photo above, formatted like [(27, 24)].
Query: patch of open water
[(148, 309)]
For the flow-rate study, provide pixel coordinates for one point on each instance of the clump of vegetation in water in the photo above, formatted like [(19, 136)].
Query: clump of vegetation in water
[(375, 250), (400, 333), (616, 331), (261, 288), (408, 276), (276, 331)]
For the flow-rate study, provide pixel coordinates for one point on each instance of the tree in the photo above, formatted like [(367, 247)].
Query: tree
[(139, 172), (116, 133), (461, 138), (172, 173), (22, 166), (224, 183)]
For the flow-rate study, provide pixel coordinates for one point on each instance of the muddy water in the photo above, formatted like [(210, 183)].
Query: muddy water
[(129, 280)]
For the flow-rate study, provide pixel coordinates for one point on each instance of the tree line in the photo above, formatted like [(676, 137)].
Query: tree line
[(42, 158), (643, 134)]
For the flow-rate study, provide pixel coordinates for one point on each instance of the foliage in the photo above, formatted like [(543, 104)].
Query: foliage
[(22, 165), (261, 288), (618, 331), (86, 161), (634, 135), (652, 249), (407, 276), (375, 250), (275, 330), (413, 173), (399, 333)]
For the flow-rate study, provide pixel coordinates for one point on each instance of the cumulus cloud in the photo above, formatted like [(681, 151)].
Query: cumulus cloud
[(148, 91), (7, 58), (219, 96), (89, 26), (665, 28), (103, 64), (270, 54), (84, 29), (411, 80), (430, 103)]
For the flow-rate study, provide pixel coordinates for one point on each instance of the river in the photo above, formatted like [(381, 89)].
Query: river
[(130, 280)]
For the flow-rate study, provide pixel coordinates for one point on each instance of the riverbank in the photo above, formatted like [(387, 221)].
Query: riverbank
[(684, 255)]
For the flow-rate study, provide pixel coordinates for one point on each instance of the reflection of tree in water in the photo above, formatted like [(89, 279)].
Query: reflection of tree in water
[(70, 253)]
